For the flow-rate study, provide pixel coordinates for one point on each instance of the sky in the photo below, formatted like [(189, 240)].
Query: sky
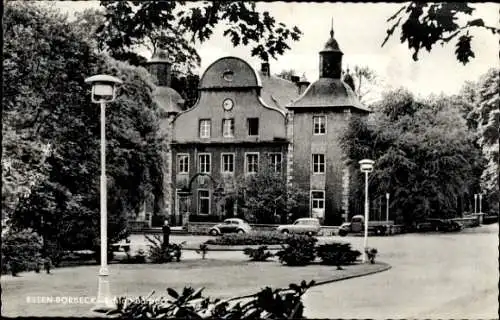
[(360, 29)]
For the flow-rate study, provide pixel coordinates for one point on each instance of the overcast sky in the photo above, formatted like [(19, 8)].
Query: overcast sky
[(360, 29)]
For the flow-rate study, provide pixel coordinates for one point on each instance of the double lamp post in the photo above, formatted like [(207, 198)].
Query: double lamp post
[(103, 91)]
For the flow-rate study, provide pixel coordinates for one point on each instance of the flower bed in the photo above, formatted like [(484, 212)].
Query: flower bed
[(246, 239)]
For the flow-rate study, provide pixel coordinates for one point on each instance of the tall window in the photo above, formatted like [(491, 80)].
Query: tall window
[(228, 128), (319, 125), (318, 163), (318, 199), (205, 125), (203, 202), (253, 126), (183, 163), (204, 162), (275, 161), (252, 162), (228, 163)]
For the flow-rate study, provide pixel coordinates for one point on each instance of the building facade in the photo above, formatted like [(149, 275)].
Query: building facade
[(245, 119), (319, 117)]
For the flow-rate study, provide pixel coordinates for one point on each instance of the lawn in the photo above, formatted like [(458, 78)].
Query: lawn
[(221, 278)]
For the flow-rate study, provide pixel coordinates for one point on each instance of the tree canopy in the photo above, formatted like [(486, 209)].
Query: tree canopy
[(423, 25), (45, 102), (175, 26), (424, 155)]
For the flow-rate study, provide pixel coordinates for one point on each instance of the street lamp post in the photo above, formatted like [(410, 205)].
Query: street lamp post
[(103, 91), (387, 195), (480, 203), (366, 166), (475, 202)]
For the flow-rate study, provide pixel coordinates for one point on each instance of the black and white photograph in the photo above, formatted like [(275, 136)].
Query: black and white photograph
[(250, 160)]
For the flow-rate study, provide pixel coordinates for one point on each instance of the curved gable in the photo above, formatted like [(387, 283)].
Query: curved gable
[(229, 72)]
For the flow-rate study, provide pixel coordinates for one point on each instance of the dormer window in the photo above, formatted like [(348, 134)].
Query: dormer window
[(228, 75)]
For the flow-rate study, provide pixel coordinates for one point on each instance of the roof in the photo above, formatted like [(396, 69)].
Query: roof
[(229, 72), (328, 93), (331, 44), (168, 99), (277, 92)]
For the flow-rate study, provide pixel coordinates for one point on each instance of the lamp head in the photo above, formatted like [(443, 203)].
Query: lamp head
[(366, 165), (103, 87), (387, 195)]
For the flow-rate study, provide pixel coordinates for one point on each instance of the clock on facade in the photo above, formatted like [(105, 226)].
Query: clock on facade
[(227, 104)]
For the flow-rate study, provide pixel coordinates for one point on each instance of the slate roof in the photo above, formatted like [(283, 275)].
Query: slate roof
[(278, 92), (328, 93), (331, 44), (168, 99)]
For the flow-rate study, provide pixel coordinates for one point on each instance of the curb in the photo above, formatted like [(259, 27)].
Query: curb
[(233, 248), (386, 267), (319, 283)]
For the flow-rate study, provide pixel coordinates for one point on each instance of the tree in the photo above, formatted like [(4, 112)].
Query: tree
[(45, 64), (424, 155), (287, 74), (425, 24), (176, 25), (266, 196), (486, 117), (363, 80)]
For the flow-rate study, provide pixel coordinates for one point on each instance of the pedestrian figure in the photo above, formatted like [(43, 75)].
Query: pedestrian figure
[(47, 264), (166, 234)]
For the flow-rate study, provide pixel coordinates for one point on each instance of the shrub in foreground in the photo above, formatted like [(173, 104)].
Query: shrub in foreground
[(248, 239), (371, 254), (337, 253), (259, 254), (20, 251), (191, 304), (298, 250), (203, 249), (158, 253)]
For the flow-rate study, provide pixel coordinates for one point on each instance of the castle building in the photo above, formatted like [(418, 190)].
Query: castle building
[(243, 120)]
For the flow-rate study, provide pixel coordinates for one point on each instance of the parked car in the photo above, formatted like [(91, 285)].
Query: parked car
[(232, 225), (357, 225), (310, 226), (446, 225)]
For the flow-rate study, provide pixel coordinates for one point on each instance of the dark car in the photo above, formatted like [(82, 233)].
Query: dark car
[(445, 225)]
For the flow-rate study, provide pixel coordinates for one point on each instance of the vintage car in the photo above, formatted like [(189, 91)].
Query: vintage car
[(310, 226), (232, 225)]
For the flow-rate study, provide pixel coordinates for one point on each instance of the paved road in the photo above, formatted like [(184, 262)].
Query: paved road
[(435, 275), (452, 276)]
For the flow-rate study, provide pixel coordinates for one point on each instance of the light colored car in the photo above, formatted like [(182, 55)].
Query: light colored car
[(310, 226), (232, 225)]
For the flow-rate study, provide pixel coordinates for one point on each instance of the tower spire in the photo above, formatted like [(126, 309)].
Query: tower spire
[(331, 30)]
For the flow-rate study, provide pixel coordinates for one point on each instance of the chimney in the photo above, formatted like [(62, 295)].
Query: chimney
[(265, 69), (302, 84), (160, 68)]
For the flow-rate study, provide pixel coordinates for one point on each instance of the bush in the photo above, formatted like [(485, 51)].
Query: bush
[(337, 254), (191, 304), (158, 253), (20, 251), (371, 253), (202, 250), (298, 251), (248, 239), (259, 254)]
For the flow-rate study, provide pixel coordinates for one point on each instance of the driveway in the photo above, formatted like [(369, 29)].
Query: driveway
[(446, 276)]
